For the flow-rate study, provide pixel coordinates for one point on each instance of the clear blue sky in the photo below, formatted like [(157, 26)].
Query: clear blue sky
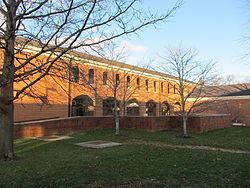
[(215, 28)]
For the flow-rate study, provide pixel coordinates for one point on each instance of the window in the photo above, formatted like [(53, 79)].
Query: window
[(174, 89), (147, 85), (138, 83), (168, 88), (91, 76), (128, 81), (82, 105), (105, 78), (109, 106), (117, 79), (74, 74), (162, 86), (154, 86), (151, 108), (133, 108), (165, 109)]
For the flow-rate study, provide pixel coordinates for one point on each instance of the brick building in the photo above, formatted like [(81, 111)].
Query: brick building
[(228, 99), (86, 85)]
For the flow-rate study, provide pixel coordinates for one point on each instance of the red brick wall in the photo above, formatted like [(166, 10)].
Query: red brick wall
[(239, 109), (196, 124), (31, 112)]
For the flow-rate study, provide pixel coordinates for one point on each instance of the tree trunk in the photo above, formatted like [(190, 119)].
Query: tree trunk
[(117, 125), (7, 108), (184, 123), (7, 82), (6, 129), (117, 121)]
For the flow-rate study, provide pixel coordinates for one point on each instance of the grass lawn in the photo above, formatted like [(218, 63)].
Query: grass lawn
[(62, 164)]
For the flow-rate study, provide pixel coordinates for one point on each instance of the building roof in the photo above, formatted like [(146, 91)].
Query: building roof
[(225, 90), (86, 56), (121, 64)]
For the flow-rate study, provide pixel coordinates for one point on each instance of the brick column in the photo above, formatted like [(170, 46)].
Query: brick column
[(142, 109), (157, 109)]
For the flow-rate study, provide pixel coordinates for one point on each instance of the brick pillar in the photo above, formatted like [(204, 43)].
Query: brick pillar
[(157, 109), (160, 109), (142, 109)]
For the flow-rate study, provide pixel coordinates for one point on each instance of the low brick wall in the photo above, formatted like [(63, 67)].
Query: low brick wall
[(197, 124)]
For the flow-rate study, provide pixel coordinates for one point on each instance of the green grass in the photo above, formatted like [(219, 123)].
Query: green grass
[(62, 164)]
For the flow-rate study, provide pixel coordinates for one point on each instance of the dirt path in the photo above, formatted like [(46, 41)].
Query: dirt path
[(208, 148)]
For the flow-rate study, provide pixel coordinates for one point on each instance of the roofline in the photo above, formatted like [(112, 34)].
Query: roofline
[(32, 43)]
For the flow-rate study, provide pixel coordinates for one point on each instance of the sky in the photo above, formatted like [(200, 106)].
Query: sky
[(215, 28)]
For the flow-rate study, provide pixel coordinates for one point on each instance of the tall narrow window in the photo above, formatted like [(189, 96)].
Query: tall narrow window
[(105, 78), (138, 83), (117, 79), (155, 86), (162, 87), (128, 81), (174, 89), (168, 88), (91, 76), (74, 74), (147, 85)]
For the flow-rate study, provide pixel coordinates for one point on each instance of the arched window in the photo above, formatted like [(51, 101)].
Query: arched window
[(162, 87), (133, 108), (82, 106), (138, 83), (74, 74), (155, 86), (109, 106), (151, 108), (128, 81), (117, 79), (165, 108), (147, 88), (105, 78), (91, 76)]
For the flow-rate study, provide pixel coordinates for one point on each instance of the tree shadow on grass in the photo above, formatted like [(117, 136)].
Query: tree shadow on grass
[(28, 145)]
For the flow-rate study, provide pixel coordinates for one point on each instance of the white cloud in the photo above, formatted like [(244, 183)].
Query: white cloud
[(131, 53), (130, 47)]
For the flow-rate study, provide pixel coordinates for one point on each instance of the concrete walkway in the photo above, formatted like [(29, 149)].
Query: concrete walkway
[(208, 148)]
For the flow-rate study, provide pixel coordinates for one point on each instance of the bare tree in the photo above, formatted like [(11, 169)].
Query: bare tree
[(225, 80), (35, 35), (192, 76), (117, 82)]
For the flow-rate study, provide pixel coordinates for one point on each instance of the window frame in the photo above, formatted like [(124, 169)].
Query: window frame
[(155, 86), (147, 85), (105, 78), (74, 74), (128, 81)]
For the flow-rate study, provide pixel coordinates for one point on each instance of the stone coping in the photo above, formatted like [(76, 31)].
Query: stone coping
[(80, 117)]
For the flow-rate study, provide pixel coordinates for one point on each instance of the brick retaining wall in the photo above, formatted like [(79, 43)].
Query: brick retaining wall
[(197, 124)]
